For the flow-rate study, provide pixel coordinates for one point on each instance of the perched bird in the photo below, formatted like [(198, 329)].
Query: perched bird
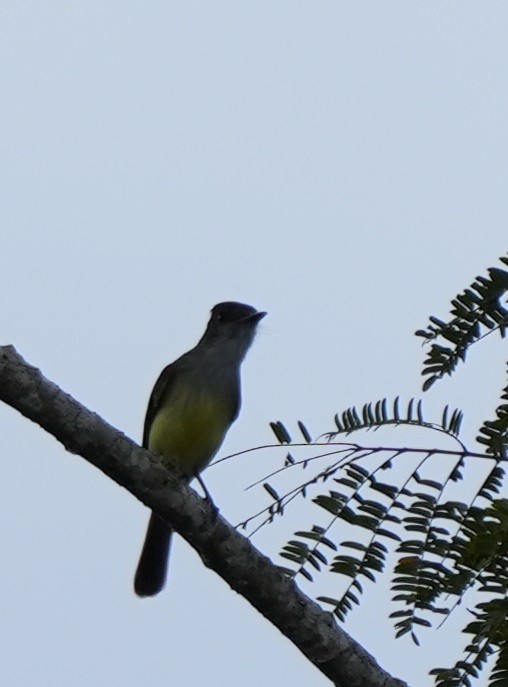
[(193, 403)]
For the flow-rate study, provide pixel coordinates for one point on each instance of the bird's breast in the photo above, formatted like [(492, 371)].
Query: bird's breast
[(189, 429)]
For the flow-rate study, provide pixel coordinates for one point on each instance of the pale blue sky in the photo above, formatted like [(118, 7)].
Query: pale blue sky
[(342, 166)]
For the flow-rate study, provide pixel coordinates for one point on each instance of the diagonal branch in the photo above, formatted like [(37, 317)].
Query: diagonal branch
[(220, 546)]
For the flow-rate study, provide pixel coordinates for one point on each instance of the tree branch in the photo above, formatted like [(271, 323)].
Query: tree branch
[(220, 546)]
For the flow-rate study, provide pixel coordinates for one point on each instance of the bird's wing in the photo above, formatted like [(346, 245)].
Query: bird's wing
[(162, 388)]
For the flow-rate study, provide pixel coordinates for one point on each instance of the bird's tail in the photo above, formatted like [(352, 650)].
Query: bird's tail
[(153, 563)]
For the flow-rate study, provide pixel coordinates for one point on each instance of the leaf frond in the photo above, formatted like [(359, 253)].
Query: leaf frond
[(475, 312)]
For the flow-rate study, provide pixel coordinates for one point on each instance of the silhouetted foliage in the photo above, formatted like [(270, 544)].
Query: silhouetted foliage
[(443, 547)]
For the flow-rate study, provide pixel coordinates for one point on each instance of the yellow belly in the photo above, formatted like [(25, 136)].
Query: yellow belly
[(189, 432)]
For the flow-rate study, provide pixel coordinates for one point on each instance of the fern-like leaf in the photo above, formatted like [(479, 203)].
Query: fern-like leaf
[(475, 312), (378, 414), (494, 433)]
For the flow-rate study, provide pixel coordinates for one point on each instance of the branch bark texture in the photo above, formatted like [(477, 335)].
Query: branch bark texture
[(220, 546)]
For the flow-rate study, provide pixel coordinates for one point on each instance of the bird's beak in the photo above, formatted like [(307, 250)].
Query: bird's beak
[(255, 317)]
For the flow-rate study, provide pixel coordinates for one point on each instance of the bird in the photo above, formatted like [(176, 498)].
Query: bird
[(194, 402)]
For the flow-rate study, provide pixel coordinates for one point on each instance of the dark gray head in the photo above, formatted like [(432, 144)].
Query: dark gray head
[(234, 324)]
